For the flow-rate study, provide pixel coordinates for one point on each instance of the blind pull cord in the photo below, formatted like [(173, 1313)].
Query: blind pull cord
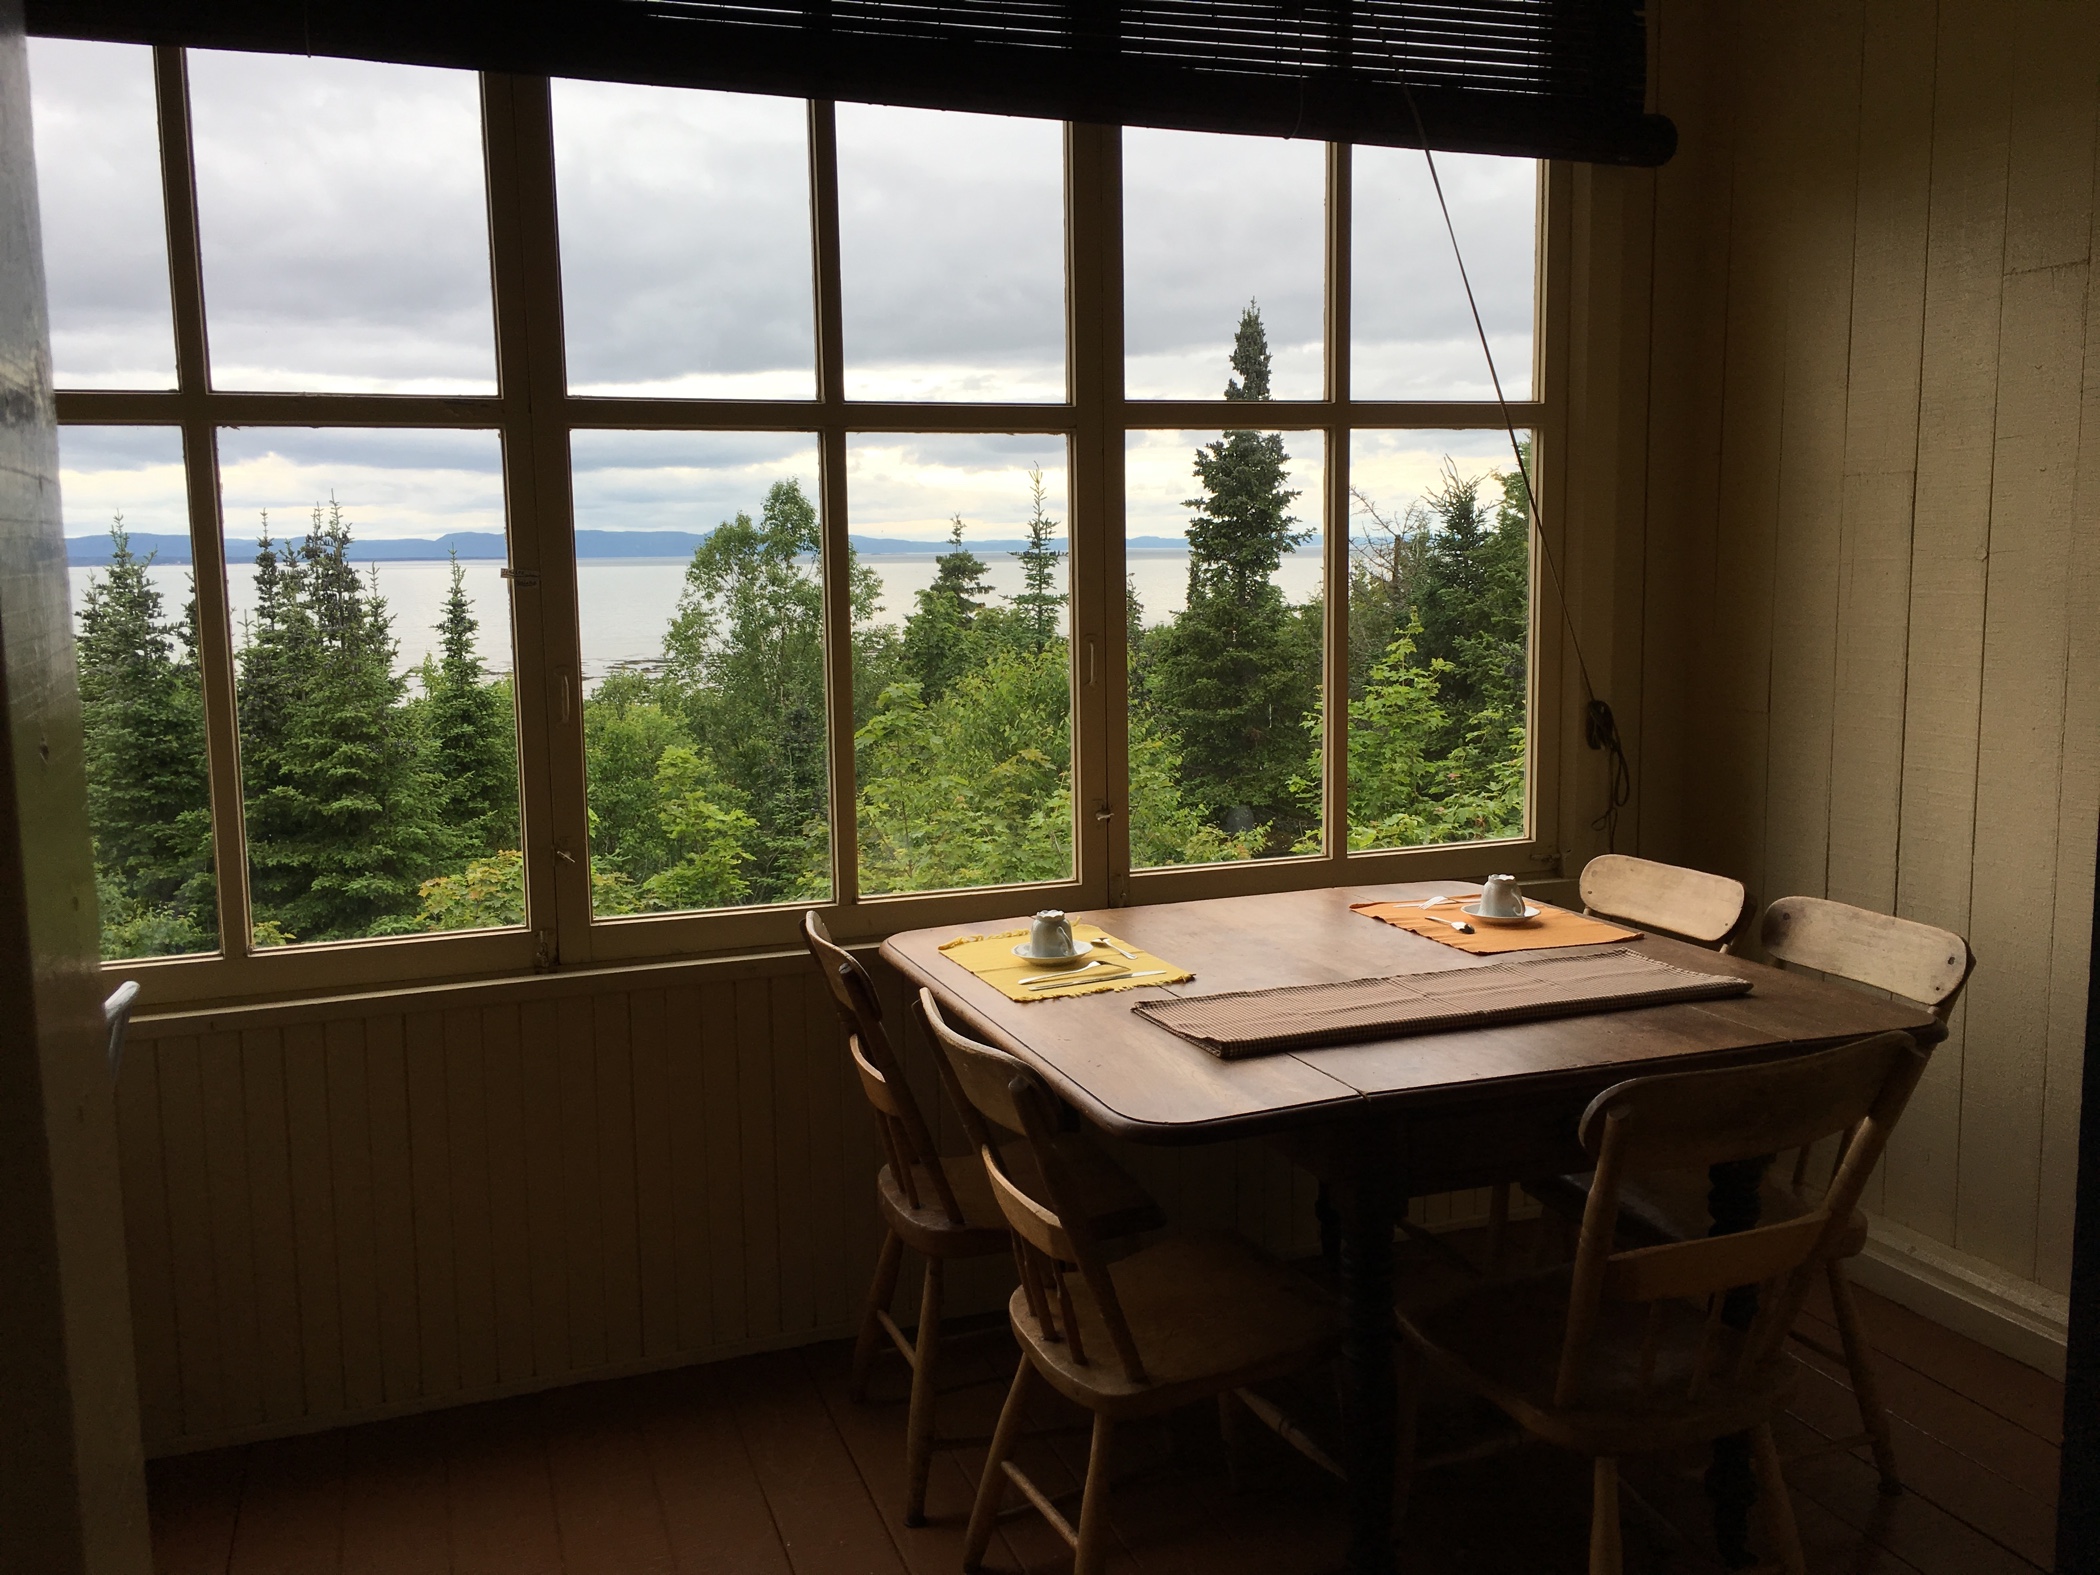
[(1600, 728)]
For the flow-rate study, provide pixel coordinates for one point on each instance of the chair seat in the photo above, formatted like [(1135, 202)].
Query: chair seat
[(1505, 1339), (1207, 1313), (1667, 1206), (1102, 1190)]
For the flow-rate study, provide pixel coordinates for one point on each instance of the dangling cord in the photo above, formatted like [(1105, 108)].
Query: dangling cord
[(1600, 729)]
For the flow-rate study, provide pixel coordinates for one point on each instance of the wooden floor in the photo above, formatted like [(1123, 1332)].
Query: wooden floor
[(762, 1466)]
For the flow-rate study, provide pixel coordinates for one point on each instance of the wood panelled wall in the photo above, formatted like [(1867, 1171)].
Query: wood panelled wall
[(350, 1209), (1871, 613)]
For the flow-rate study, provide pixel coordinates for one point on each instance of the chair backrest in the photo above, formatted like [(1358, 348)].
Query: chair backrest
[(1919, 962), (1050, 1237), (116, 1017), (1700, 907), (1681, 1120), (906, 1139)]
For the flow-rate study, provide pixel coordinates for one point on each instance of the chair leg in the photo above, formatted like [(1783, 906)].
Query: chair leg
[(925, 1397), (1866, 1385), (1232, 1428), (1498, 1229), (1090, 1554), (880, 1294), (1407, 1364), (1606, 1552), (991, 1487), (1777, 1505)]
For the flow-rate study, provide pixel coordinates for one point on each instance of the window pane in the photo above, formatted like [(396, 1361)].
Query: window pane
[(1439, 638), (1224, 598), (378, 734), (685, 242), (1212, 224), (343, 219), (141, 701), (952, 248), (701, 604), (962, 682), (99, 204), (1411, 332)]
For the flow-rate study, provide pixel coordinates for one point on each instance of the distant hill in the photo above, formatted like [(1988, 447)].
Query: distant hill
[(93, 551)]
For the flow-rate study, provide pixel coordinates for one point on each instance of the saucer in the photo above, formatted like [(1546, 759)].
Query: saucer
[(1021, 951), (1473, 912)]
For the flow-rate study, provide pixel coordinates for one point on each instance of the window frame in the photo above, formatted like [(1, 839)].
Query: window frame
[(534, 413)]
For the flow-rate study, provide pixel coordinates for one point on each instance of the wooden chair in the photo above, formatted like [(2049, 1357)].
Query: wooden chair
[(940, 1206), (1900, 956), (1652, 1348), (1181, 1320), (1705, 909)]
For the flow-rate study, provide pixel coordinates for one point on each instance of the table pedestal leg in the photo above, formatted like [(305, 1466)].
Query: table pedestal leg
[(1731, 1483), (1366, 1377)]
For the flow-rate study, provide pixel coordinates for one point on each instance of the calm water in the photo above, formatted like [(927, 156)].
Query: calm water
[(624, 604)]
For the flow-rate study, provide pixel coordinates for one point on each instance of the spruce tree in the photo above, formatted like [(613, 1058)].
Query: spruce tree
[(1235, 676), (342, 815), (469, 727), (936, 645), (1040, 606), (149, 794), (1473, 602)]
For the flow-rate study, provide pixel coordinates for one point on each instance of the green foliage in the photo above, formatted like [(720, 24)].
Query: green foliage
[(1039, 610), (149, 799), (344, 811), (1234, 677), (470, 727)]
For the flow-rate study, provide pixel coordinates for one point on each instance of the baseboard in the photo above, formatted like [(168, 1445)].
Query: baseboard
[(2013, 1316)]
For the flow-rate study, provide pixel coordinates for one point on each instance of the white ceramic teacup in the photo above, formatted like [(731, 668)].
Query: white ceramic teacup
[(1050, 934), (1502, 898)]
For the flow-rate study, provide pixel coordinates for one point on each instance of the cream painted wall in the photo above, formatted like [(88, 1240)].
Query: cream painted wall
[(1868, 603)]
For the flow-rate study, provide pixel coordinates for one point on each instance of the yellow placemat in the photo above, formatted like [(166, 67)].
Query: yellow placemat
[(992, 959), (1553, 927)]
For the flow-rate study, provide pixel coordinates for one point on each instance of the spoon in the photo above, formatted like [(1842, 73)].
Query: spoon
[(1459, 925), (1103, 940)]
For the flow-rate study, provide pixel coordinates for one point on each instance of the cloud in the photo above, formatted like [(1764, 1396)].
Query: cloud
[(343, 218), (686, 481), (951, 245), (1392, 470), (133, 471), (1209, 223), (99, 201), (390, 483), (1159, 477), (685, 242), (911, 486)]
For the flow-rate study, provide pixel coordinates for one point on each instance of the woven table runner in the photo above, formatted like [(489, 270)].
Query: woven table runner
[(992, 959), (1305, 1016), (1553, 927)]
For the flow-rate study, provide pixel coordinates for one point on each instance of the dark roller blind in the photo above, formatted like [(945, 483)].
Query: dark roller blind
[(1549, 78)]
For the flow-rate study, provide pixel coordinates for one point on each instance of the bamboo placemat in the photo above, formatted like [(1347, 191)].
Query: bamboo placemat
[(1553, 927), (1306, 1016), (992, 959)]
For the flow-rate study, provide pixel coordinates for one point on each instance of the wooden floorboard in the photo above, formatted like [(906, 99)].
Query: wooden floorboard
[(764, 1466)]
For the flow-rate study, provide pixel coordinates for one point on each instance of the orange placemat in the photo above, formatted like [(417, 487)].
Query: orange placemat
[(1553, 927)]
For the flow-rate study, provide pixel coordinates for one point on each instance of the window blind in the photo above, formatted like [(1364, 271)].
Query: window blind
[(1544, 78)]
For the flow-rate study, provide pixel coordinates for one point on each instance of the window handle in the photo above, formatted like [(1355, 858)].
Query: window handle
[(524, 579), (567, 700)]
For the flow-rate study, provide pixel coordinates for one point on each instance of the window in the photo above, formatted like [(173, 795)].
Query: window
[(928, 516)]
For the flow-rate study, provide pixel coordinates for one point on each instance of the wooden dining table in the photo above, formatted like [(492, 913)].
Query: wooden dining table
[(1385, 1120)]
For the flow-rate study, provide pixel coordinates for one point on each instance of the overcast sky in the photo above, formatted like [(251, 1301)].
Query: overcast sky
[(343, 221)]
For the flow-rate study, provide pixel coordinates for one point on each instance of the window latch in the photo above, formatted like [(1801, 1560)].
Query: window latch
[(524, 579), (1106, 812)]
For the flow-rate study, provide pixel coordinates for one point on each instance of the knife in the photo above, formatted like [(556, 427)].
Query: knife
[(1099, 978)]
